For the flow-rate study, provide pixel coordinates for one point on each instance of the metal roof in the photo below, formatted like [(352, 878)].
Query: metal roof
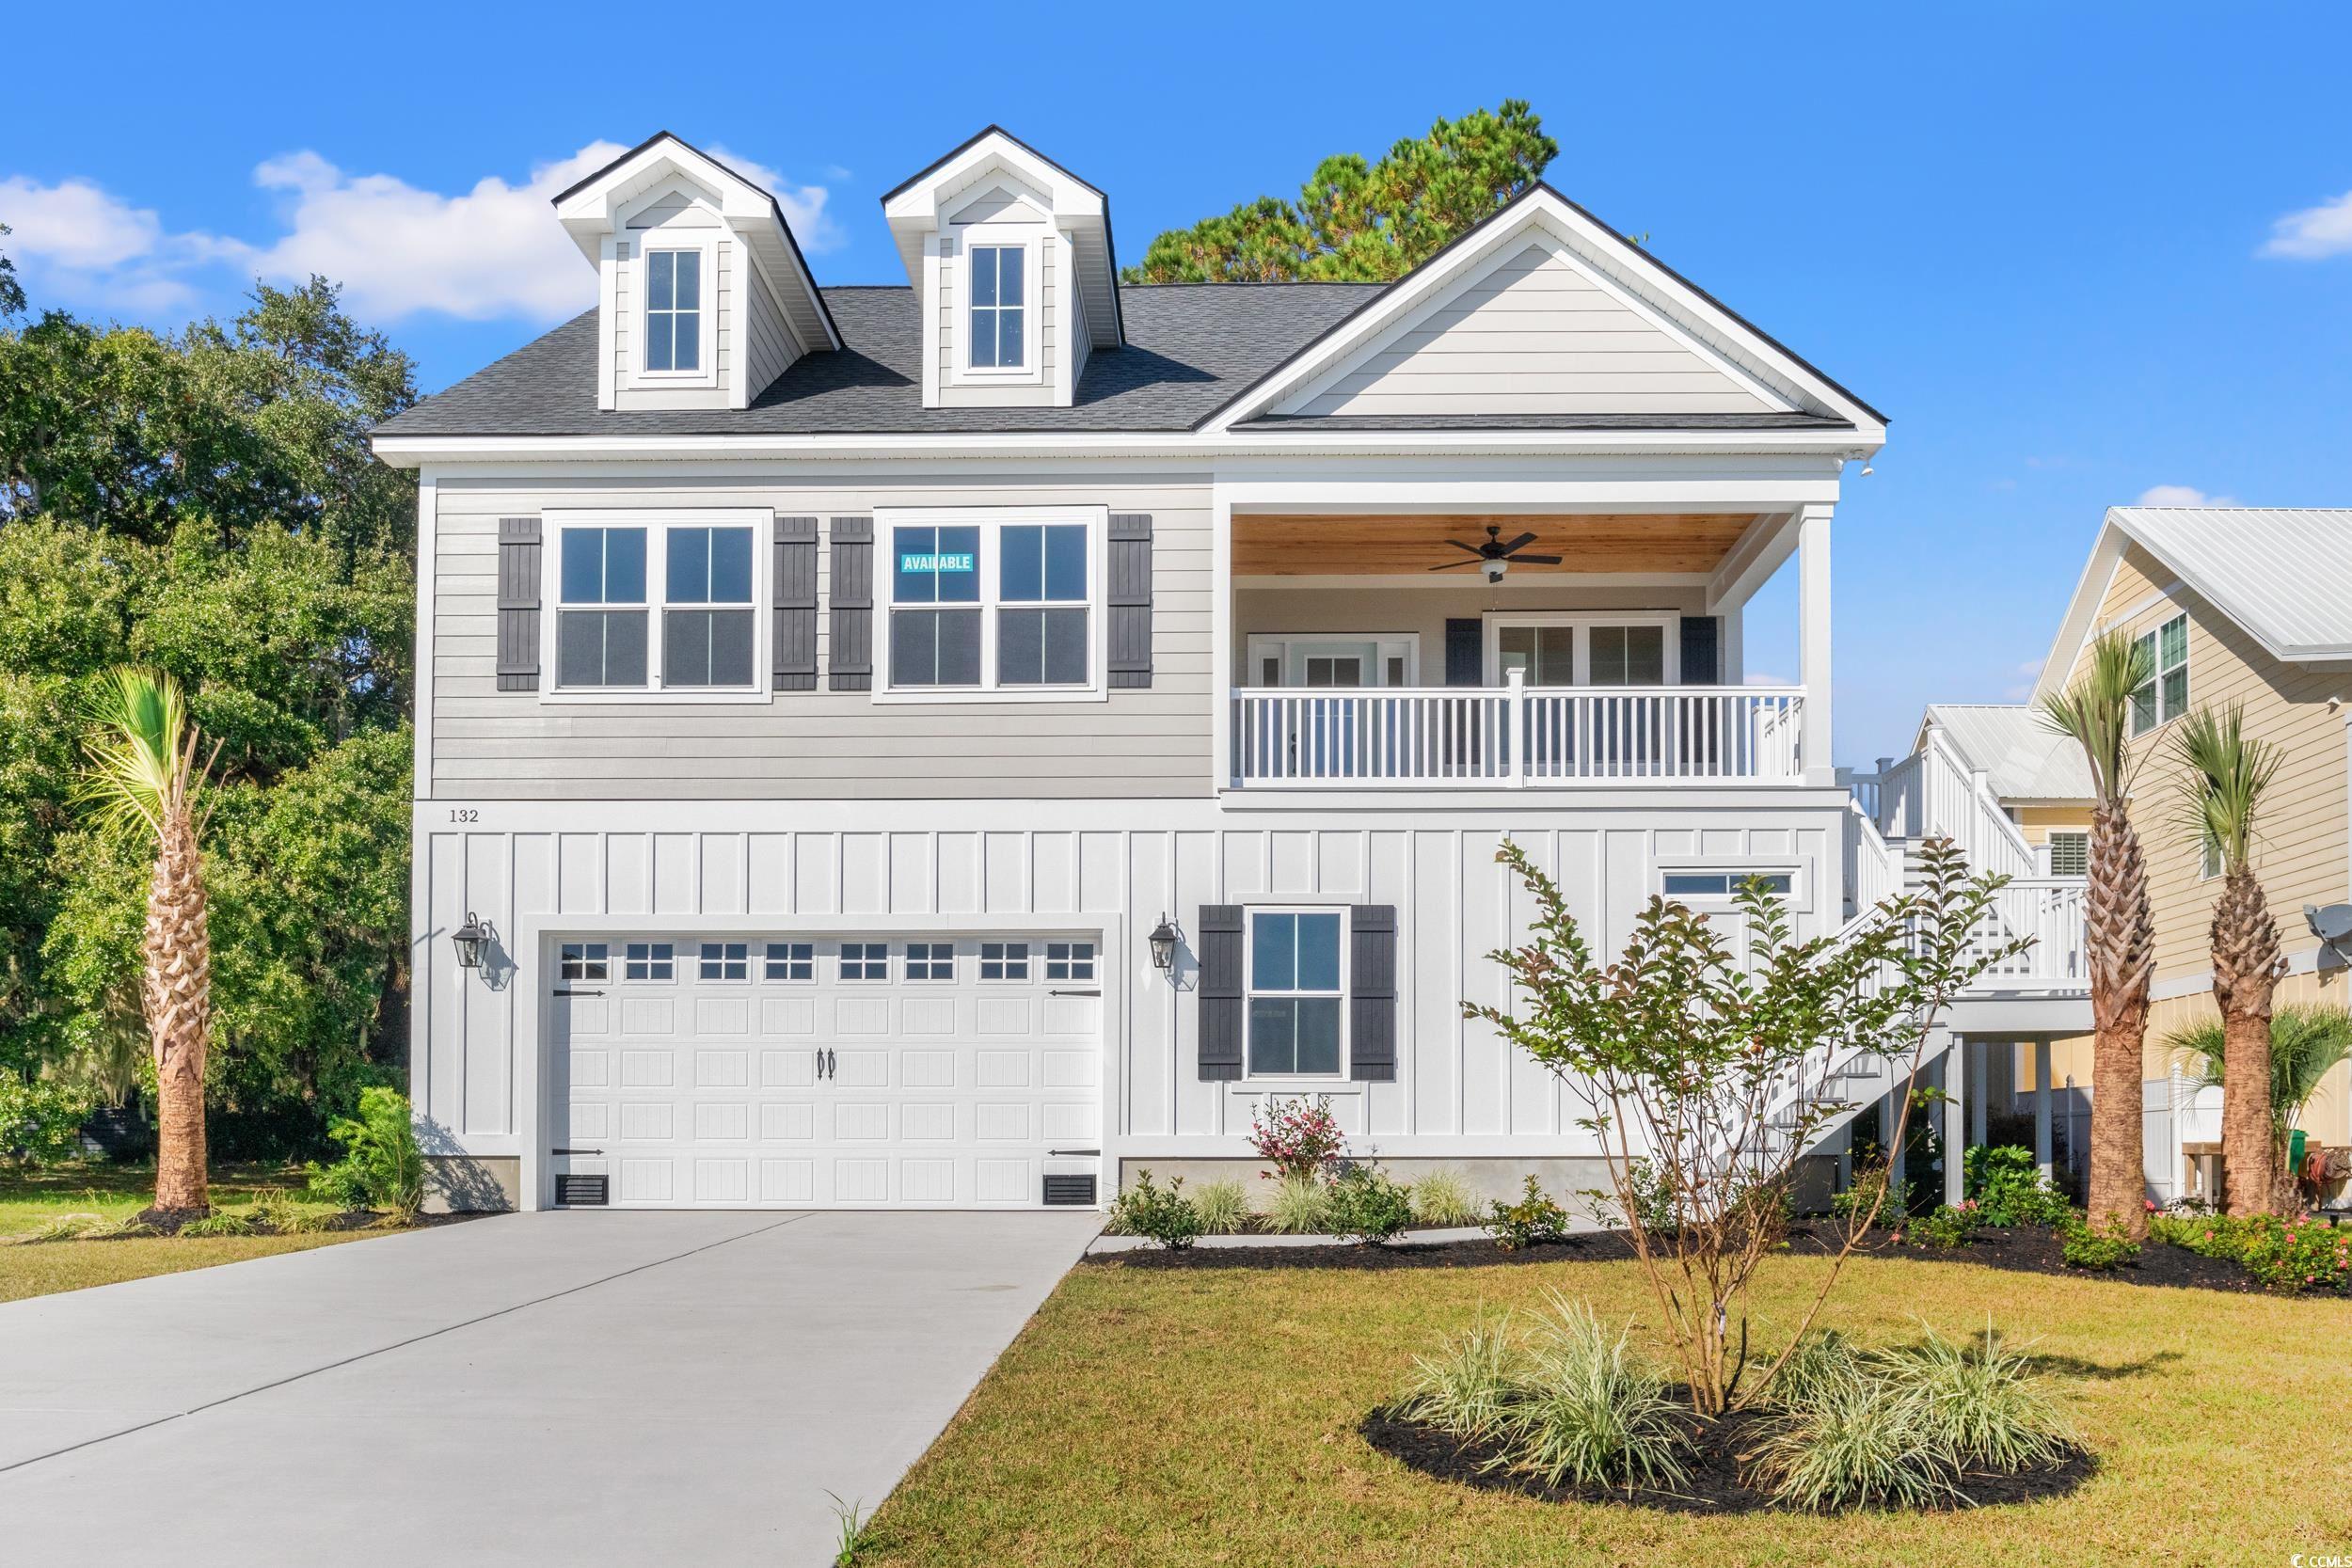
[(2284, 573), (2022, 760)]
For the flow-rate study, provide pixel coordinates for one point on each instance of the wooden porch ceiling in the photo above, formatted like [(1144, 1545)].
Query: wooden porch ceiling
[(1285, 545)]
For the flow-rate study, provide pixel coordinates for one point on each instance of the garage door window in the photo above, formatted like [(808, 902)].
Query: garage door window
[(930, 960), (1003, 960), (864, 961), (1296, 984), (791, 960), (586, 960), (649, 960), (1070, 960), (727, 960)]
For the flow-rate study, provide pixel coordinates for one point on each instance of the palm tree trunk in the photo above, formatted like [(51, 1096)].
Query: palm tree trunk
[(2246, 968), (179, 1015), (2121, 942)]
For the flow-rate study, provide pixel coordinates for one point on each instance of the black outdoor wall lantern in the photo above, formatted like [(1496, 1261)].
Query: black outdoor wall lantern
[(1164, 939), (471, 939)]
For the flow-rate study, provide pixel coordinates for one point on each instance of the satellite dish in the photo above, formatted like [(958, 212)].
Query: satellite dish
[(2331, 922)]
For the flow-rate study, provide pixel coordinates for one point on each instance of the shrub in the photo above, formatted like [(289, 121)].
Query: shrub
[(1444, 1198), (2101, 1247), (381, 1167), (1295, 1205), (1868, 1182), (1590, 1412), (1532, 1220), (1223, 1208), (1854, 1442), (221, 1221), (2008, 1187), (1298, 1137), (1942, 1227), (2297, 1255), (40, 1122), (1467, 1388), (1818, 1361), (1368, 1207), (1164, 1216), (1981, 1402)]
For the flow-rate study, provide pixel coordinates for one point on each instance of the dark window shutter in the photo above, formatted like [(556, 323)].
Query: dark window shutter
[(795, 654), (519, 604), (1131, 599), (1465, 652), (1223, 1008), (851, 648), (1372, 992), (1702, 650)]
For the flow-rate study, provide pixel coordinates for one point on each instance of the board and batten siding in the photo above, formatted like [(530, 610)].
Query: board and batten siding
[(493, 745), (1533, 335), (832, 869), (2302, 845)]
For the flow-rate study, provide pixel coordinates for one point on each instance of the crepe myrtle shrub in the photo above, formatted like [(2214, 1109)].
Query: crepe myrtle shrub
[(1719, 1073), (1298, 1137)]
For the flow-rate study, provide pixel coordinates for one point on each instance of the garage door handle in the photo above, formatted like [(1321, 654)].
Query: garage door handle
[(579, 994), (575, 1152), (1052, 1153), (1073, 993)]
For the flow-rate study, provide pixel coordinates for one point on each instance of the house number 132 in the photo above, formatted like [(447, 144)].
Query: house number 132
[(464, 813)]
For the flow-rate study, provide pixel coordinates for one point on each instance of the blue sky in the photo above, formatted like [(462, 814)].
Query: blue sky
[(2073, 252)]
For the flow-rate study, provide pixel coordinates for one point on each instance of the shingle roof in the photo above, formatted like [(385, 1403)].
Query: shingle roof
[(1191, 348), (2284, 573), (2023, 759)]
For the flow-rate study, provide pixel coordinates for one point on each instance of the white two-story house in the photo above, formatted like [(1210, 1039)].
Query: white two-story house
[(958, 742)]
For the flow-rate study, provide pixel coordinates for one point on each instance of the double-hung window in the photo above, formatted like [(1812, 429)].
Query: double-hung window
[(1000, 307), (1296, 986), (2164, 696), (983, 604), (673, 312), (659, 602)]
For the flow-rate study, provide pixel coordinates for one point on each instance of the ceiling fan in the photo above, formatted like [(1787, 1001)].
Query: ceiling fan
[(1493, 557)]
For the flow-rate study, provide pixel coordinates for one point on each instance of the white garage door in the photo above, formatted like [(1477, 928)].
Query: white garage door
[(792, 1071)]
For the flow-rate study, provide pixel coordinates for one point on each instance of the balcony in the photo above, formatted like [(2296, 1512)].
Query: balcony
[(1515, 736)]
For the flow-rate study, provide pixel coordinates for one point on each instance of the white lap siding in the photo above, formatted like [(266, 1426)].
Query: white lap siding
[(917, 869)]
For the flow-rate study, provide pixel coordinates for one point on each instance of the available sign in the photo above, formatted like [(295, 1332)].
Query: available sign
[(959, 560)]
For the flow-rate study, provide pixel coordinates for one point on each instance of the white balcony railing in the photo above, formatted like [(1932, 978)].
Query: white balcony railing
[(1515, 736)]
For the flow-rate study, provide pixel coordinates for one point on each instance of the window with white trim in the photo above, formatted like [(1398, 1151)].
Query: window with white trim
[(790, 960), (2164, 696), (649, 960), (699, 572), (930, 960), (997, 606), (2070, 854), (1070, 960), (1005, 960), (998, 317), (1722, 884), (727, 960), (674, 311), (866, 960), (1296, 990), (2209, 863), (585, 961)]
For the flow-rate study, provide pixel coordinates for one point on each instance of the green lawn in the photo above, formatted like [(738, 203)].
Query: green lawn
[(1208, 1416), (116, 1192)]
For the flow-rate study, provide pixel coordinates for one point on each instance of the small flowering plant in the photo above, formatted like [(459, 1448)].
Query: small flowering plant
[(1299, 1138)]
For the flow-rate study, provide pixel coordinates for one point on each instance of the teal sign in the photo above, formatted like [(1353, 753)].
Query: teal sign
[(959, 561)]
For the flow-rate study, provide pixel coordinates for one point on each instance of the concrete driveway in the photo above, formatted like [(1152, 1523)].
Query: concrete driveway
[(562, 1387)]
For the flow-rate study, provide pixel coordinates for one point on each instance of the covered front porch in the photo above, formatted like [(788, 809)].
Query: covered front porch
[(1378, 645)]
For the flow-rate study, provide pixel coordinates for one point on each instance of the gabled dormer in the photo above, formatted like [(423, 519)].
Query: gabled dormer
[(1011, 257), (703, 297)]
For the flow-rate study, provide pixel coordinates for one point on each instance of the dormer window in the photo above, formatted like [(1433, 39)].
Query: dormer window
[(674, 311), (1000, 313)]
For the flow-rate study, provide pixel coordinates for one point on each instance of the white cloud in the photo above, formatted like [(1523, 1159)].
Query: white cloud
[(2181, 495), (493, 250), (1757, 677), (2315, 233)]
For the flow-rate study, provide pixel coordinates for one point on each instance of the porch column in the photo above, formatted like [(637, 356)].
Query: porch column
[(1955, 1120), (2041, 1155), (1980, 1073), (1813, 660)]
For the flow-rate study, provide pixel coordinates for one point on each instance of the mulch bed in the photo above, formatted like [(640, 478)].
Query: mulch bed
[(1714, 1485), (2024, 1251)]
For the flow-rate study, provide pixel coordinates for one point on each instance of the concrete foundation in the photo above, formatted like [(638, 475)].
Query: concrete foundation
[(472, 1183)]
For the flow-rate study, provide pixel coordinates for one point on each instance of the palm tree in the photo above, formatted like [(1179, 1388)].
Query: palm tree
[(2119, 930), (2224, 775), (2306, 1043), (142, 776)]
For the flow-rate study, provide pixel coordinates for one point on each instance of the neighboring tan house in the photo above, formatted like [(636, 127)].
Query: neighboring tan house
[(2237, 604), (954, 743)]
